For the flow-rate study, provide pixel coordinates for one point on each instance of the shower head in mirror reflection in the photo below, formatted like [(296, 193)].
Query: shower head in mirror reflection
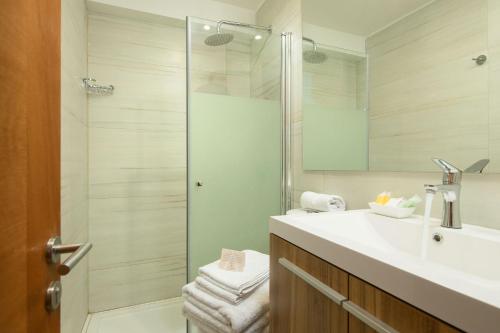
[(222, 38), (313, 56)]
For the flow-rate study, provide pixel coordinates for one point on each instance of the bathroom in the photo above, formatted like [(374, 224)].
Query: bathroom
[(343, 152)]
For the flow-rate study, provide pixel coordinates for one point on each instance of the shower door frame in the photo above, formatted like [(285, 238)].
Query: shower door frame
[(286, 121), (286, 128)]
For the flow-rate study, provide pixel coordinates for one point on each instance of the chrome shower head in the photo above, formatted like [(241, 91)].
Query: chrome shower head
[(313, 56), (219, 39)]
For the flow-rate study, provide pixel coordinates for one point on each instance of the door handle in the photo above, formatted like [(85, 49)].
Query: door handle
[(54, 249)]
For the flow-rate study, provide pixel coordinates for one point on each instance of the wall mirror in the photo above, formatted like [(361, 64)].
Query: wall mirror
[(389, 85)]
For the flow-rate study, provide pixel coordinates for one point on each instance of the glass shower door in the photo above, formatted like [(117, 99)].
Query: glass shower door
[(234, 140)]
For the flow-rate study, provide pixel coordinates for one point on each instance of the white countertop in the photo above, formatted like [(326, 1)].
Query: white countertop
[(455, 282)]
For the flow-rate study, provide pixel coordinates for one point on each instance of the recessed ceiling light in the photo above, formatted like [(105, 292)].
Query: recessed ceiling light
[(258, 37), (206, 27)]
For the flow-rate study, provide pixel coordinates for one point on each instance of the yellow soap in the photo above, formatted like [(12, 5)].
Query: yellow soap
[(383, 198)]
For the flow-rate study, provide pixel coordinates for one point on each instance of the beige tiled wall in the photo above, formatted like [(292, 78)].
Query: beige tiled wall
[(283, 16), (137, 160), (494, 81), (427, 96), (265, 74), (480, 194), (223, 70), (333, 83), (74, 161)]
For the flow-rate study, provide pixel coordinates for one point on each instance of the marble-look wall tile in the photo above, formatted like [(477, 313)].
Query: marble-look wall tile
[(333, 83), (223, 70), (480, 194), (427, 98), (137, 282), (74, 159), (283, 16), (265, 72), (137, 149), (362, 85), (494, 82)]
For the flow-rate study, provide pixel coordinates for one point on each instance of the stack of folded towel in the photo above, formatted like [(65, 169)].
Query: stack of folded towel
[(221, 301)]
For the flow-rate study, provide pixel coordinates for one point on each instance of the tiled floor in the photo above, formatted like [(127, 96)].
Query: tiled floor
[(158, 317)]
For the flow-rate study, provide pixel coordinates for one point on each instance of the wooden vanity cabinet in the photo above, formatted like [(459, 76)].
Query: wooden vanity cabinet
[(394, 312), (298, 307)]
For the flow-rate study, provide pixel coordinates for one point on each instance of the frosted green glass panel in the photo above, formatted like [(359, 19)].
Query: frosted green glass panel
[(235, 154), (334, 139)]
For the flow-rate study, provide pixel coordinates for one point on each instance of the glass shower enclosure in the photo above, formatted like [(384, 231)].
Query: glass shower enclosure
[(237, 125)]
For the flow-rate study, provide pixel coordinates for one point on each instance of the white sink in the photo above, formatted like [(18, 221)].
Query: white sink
[(458, 276), (469, 249)]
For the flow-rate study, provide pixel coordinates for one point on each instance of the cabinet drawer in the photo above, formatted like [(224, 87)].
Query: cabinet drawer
[(296, 306), (391, 310)]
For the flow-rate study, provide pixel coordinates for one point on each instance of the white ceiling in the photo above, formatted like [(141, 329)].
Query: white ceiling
[(248, 4), (359, 17)]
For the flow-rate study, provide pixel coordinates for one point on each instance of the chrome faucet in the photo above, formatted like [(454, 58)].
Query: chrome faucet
[(451, 188)]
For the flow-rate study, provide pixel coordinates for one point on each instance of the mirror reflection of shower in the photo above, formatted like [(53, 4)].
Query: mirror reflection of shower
[(313, 56), (222, 38)]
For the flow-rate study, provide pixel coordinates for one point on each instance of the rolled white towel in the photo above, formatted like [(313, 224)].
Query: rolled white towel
[(256, 272), (297, 212), (237, 317), (322, 202)]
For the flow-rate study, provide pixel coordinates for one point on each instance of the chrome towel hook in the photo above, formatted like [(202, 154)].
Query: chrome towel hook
[(94, 88)]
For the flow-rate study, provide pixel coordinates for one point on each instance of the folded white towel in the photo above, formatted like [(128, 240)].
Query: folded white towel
[(237, 317), (217, 292), (322, 202), (206, 323), (239, 283), (215, 314)]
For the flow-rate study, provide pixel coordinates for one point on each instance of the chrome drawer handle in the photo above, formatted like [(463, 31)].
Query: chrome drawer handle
[(367, 318), (335, 296), (54, 249)]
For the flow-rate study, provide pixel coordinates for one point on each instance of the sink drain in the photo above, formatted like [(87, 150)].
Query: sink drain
[(437, 237)]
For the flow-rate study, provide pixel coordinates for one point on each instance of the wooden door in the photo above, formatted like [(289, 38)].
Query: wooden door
[(391, 310), (295, 305), (29, 160)]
